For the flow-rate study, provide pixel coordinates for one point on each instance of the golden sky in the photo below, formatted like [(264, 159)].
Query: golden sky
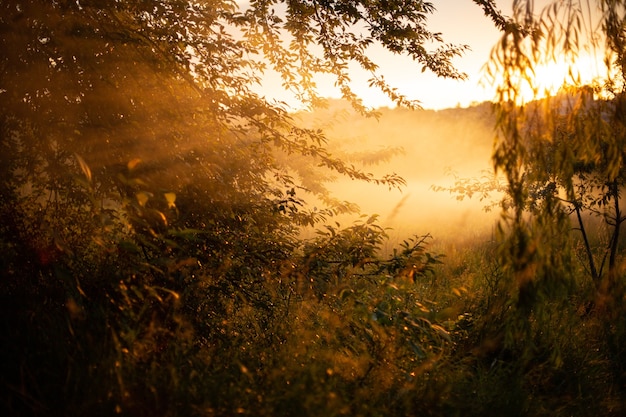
[(461, 22)]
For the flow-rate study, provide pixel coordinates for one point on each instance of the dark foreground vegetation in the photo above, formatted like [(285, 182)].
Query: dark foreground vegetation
[(151, 207), (111, 320)]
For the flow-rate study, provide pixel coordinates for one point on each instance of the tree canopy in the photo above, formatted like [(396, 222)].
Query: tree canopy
[(115, 81), (150, 210)]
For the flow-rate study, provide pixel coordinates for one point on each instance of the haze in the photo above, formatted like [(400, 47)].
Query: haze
[(453, 134), (424, 147)]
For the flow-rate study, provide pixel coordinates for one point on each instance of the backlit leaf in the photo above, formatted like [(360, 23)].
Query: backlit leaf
[(83, 166), (132, 164), (142, 198), (171, 199)]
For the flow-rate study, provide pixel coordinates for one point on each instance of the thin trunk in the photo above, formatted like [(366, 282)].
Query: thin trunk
[(610, 291), (617, 225), (592, 264)]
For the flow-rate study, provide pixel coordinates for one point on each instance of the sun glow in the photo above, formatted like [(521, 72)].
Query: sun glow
[(548, 78)]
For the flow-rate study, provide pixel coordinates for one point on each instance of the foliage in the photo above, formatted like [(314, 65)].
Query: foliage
[(484, 186), (150, 230), (151, 210), (561, 154), (562, 157)]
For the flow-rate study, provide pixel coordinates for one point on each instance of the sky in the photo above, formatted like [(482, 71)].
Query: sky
[(460, 22)]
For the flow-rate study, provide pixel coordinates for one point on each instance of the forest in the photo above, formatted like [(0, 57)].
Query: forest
[(176, 244)]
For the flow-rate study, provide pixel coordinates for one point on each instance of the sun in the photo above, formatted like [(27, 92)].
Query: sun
[(547, 78)]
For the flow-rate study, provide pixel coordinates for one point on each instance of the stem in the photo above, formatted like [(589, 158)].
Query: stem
[(616, 228), (592, 264)]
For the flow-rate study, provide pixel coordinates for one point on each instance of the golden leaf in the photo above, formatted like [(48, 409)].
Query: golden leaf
[(83, 166), (132, 164), (171, 199)]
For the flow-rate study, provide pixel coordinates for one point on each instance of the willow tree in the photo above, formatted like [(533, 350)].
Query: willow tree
[(562, 150)]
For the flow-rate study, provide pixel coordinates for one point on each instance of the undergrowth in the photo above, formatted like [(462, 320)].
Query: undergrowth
[(336, 329)]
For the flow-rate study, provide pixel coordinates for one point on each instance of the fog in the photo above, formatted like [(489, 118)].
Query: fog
[(427, 148)]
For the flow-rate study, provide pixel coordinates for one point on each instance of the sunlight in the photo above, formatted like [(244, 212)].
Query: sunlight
[(549, 77)]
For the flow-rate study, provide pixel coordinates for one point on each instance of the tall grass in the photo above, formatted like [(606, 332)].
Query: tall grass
[(311, 340)]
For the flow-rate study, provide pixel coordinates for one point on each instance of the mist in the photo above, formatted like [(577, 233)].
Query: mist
[(428, 149)]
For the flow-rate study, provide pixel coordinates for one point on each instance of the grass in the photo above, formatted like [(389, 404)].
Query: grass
[(447, 342)]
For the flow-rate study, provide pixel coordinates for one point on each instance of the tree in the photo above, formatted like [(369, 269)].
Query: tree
[(563, 154), (144, 208)]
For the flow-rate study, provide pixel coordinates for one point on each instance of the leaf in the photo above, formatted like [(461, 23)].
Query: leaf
[(162, 217), (417, 349), (189, 234), (142, 198), (171, 199), (83, 166), (132, 164), (443, 333), (128, 246)]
